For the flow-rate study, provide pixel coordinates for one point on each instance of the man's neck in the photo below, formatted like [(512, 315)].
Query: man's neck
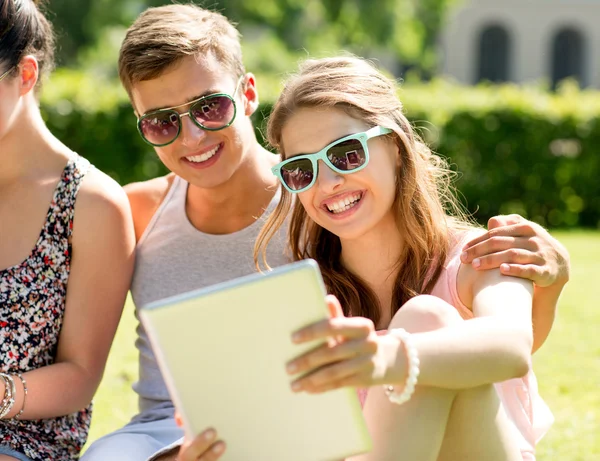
[(237, 203)]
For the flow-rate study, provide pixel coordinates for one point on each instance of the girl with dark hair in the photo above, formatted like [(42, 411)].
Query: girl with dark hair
[(66, 258)]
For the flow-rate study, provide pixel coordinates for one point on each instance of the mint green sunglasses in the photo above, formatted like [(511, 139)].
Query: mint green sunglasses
[(344, 156)]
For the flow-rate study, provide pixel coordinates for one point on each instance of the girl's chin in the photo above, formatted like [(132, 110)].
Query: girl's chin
[(346, 233)]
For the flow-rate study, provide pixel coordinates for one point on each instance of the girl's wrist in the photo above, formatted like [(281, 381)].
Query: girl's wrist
[(408, 354), (8, 396), (13, 392), (397, 366)]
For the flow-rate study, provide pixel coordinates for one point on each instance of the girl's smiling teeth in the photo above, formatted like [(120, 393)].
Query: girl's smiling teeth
[(344, 204), (203, 157)]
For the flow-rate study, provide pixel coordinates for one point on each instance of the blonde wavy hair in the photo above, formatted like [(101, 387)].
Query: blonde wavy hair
[(425, 206)]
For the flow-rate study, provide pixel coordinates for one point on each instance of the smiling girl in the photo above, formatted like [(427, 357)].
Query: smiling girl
[(443, 349)]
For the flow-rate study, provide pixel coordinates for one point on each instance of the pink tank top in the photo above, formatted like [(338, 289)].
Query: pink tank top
[(529, 415)]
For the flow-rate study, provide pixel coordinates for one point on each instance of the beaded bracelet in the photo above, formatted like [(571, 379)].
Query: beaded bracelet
[(18, 415), (10, 392), (413, 369)]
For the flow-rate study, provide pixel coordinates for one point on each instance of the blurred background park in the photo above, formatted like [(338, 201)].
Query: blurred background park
[(508, 91)]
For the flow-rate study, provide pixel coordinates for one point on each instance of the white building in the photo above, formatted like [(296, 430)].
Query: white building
[(523, 40)]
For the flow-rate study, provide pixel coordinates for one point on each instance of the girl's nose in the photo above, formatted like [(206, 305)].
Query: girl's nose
[(327, 179)]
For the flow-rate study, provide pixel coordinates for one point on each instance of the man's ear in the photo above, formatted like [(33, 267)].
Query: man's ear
[(28, 74), (250, 94)]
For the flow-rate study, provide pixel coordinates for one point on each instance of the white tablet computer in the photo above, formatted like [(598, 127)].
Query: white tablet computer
[(222, 351)]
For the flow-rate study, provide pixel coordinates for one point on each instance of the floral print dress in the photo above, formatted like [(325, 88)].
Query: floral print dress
[(32, 304)]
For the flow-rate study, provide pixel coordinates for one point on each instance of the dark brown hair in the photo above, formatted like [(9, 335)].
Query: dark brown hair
[(24, 30), (426, 211)]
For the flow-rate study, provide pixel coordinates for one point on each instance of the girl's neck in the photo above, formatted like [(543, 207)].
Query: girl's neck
[(29, 145), (374, 258)]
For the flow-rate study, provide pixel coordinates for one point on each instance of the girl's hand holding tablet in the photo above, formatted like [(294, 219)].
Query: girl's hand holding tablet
[(353, 354)]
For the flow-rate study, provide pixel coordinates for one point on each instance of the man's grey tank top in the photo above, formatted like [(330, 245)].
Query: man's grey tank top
[(173, 257)]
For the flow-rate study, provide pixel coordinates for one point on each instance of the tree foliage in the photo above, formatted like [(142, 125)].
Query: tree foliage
[(404, 29)]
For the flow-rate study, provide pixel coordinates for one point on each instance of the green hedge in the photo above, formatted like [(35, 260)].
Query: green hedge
[(545, 170), (522, 150), (516, 149)]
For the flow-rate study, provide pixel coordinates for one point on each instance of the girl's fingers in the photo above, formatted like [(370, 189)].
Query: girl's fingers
[(325, 355), (326, 376), (355, 380), (349, 328), (334, 306)]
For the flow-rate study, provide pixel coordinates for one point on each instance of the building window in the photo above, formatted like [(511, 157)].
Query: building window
[(494, 55), (567, 56)]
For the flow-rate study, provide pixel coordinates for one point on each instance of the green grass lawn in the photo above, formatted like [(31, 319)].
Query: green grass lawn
[(567, 366)]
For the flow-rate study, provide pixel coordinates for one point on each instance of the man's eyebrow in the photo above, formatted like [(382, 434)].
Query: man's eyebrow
[(194, 98)]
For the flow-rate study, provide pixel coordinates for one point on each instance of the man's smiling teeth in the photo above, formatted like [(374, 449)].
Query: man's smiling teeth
[(203, 157), (345, 204)]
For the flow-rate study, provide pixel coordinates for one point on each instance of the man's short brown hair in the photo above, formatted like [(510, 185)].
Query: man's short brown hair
[(160, 37)]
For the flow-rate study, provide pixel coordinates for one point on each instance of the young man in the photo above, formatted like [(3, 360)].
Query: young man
[(196, 226), (182, 68)]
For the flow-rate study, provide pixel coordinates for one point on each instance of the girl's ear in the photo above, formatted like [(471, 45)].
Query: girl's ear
[(399, 150), (28, 74)]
